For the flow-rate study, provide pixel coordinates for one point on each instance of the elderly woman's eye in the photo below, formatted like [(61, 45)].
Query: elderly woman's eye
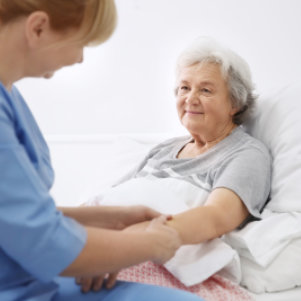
[(184, 88), (207, 91), (181, 90)]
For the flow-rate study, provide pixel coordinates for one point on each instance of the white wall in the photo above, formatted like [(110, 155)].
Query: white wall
[(126, 85)]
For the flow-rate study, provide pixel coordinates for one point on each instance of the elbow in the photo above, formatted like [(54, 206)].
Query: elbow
[(224, 222)]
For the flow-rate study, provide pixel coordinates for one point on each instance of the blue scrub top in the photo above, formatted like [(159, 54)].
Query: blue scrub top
[(36, 241)]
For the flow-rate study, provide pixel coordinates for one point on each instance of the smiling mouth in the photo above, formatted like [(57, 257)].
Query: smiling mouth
[(193, 112)]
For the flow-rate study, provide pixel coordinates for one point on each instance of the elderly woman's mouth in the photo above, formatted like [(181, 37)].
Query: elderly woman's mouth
[(194, 112)]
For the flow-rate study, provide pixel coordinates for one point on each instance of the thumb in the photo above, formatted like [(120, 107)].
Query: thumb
[(161, 220)]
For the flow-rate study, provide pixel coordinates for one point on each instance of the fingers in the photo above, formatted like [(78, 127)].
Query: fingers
[(160, 223), (111, 280), (85, 283), (161, 220), (137, 214), (167, 239), (96, 283), (151, 214)]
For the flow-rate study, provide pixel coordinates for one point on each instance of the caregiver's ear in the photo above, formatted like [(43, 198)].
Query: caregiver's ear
[(36, 28)]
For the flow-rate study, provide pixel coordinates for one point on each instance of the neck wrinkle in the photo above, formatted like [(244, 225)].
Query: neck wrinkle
[(206, 144)]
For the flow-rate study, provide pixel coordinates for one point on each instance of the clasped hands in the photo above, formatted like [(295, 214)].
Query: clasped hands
[(133, 218)]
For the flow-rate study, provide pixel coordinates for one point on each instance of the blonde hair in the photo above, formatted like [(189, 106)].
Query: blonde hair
[(94, 19)]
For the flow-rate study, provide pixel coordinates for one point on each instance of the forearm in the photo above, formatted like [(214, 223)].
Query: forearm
[(223, 212), (219, 216), (97, 216), (110, 217), (108, 251), (196, 225)]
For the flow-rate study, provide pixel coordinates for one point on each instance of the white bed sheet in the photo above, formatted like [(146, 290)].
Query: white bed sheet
[(289, 295)]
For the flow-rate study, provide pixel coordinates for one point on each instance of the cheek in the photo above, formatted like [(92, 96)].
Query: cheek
[(180, 106), (218, 108), (72, 55), (180, 102)]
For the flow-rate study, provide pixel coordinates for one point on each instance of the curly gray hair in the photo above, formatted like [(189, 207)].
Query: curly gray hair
[(235, 71)]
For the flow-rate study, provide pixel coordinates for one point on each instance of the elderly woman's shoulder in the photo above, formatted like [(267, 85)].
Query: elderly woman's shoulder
[(255, 144)]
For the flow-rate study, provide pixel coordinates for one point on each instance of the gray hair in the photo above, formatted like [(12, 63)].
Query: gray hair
[(235, 71)]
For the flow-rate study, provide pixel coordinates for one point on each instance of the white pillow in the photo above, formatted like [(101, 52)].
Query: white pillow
[(269, 252), (277, 123), (283, 273)]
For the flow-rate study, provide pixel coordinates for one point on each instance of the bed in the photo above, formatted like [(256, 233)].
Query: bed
[(86, 165), (287, 295)]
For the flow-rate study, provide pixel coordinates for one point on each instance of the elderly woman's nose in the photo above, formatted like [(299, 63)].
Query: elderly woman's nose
[(192, 97)]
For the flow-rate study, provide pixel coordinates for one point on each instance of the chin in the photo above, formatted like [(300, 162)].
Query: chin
[(48, 75), (192, 127)]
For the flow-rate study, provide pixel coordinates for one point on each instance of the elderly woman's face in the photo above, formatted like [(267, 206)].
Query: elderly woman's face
[(203, 102)]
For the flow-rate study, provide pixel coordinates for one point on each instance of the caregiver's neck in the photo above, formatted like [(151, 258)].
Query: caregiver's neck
[(12, 53)]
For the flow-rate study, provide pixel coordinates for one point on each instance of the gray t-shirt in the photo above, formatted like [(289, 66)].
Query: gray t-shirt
[(239, 163)]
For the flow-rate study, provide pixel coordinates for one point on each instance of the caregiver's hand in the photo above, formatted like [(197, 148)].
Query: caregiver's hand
[(96, 283), (136, 214), (166, 239), (110, 217), (143, 225)]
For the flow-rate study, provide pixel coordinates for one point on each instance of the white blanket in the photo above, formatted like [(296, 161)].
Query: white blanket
[(192, 264)]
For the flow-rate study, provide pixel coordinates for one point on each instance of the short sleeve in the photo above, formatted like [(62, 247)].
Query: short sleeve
[(33, 232), (248, 174)]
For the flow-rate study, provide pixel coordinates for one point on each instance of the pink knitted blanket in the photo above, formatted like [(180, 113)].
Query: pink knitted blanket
[(216, 288)]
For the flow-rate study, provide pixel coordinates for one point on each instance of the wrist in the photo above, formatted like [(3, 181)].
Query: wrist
[(152, 246), (173, 224)]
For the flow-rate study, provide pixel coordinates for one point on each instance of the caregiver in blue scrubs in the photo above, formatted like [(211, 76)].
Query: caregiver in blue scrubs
[(42, 248)]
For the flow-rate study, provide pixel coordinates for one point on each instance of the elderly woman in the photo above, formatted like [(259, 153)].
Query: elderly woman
[(215, 96)]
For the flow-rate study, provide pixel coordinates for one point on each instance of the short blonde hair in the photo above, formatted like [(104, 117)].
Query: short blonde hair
[(94, 19)]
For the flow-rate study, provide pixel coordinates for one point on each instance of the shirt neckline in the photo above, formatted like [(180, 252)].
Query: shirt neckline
[(214, 148)]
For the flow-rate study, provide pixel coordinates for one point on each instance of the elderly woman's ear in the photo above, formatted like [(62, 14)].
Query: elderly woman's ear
[(234, 111), (237, 116)]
